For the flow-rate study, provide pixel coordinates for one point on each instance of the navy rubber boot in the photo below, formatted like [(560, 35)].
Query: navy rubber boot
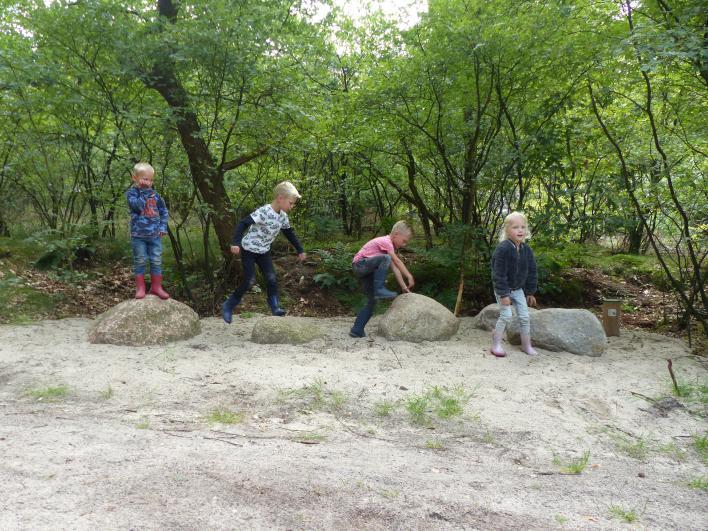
[(380, 291), (275, 308), (227, 309)]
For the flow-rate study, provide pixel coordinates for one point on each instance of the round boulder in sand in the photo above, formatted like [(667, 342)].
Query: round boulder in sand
[(148, 321), (413, 317), (285, 331), (557, 329)]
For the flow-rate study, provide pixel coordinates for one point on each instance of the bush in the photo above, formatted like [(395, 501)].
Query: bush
[(336, 268)]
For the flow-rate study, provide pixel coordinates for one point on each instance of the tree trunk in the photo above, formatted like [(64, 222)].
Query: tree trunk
[(207, 177)]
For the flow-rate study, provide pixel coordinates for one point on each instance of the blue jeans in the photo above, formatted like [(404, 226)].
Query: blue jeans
[(518, 299), (144, 250), (364, 270), (249, 261)]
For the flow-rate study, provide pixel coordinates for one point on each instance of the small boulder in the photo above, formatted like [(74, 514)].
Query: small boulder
[(285, 331), (557, 329), (414, 317), (148, 321)]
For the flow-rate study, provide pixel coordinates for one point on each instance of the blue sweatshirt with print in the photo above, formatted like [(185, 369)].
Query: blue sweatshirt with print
[(148, 213)]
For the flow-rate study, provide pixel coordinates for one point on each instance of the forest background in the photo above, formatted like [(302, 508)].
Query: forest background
[(587, 115)]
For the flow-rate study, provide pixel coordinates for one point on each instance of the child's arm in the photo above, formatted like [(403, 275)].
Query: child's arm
[(292, 238), (238, 233), (399, 278), (398, 266), (531, 280), (499, 280), (136, 201), (164, 215)]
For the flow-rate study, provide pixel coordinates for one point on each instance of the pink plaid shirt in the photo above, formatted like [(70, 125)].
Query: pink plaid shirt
[(375, 247)]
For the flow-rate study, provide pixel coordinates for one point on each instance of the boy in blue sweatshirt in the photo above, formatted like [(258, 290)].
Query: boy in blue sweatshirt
[(148, 224), (263, 224)]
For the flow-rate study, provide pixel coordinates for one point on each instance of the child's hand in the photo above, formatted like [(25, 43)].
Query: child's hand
[(411, 283), (531, 300), (302, 256), (163, 234), (506, 301), (235, 249)]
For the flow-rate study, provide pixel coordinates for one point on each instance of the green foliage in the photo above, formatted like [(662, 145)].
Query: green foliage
[(437, 401), (700, 483), (337, 268), (575, 466), (700, 444), (315, 396), (626, 515), (49, 394), (224, 416)]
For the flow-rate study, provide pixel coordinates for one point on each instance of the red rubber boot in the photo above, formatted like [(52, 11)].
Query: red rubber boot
[(156, 287), (139, 286)]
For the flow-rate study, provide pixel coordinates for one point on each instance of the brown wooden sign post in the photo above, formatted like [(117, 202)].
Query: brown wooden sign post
[(612, 316)]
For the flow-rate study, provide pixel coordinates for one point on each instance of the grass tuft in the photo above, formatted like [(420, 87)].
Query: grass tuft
[(223, 416), (627, 515), (699, 483), (575, 466), (384, 408), (700, 444), (49, 393), (434, 444)]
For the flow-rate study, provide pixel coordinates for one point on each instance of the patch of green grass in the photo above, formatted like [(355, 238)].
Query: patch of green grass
[(310, 437), (560, 519), (673, 451), (143, 425), (627, 515), (390, 493), (246, 315), (50, 394), (700, 444), (692, 392), (107, 393), (439, 401), (699, 483), (417, 407), (224, 416), (23, 304), (434, 444), (634, 449), (384, 408), (316, 397), (575, 466)]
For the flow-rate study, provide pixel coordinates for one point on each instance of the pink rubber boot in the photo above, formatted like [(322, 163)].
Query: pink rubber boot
[(526, 345), (497, 348), (156, 287), (139, 286)]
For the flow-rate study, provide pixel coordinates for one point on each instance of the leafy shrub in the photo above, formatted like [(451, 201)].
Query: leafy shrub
[(337, 268)]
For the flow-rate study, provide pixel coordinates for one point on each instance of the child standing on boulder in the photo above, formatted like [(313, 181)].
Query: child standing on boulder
[(371, 266), (515, 281), (263, 226), (148, 224)]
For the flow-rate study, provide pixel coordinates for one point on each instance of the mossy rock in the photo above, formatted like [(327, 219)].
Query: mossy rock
[(148, 321), (285, 331)]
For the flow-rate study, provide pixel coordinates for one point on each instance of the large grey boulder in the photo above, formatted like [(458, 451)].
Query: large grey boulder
[(556, 329), (148, 321), (285, 330), (413, 317)]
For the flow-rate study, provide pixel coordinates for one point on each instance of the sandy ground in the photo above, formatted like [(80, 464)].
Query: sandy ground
[(131, 446)]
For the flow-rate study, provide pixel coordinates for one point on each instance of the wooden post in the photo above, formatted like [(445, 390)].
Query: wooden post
[(612, 316)]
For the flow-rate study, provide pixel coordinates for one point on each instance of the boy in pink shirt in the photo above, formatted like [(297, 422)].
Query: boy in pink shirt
[(371, 266)]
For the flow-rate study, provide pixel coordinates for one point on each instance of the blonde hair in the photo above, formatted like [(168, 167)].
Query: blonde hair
[(285, 189), (143, 167), (507, 221), (401, 227)]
